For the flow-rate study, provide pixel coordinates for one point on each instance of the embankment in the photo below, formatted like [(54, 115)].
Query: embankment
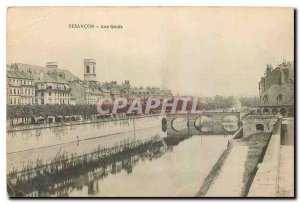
[(214, 172), (265, 182)]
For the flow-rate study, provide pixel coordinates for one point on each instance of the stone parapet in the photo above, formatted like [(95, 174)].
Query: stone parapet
[(253, 124), (265, 182)]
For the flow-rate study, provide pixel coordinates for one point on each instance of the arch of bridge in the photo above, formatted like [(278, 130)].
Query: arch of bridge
[(216, 124)]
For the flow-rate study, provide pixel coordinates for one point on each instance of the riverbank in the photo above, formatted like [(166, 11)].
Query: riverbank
[(74, 123), (166, 169), (213, 173), (256, 145), (24, 140)]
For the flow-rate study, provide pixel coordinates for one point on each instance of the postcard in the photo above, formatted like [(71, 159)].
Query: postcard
[(150, 102)]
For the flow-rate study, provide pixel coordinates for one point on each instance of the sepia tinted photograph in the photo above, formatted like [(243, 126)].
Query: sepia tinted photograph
[(106, 102)]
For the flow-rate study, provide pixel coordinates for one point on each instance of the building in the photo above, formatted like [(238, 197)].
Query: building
[(92, 95), (53, 85), (20, 87), (90, 70), (276, 90), (50, 88), (92, 90), (89, 90), (86, 93), (114, 89), (49, 68)]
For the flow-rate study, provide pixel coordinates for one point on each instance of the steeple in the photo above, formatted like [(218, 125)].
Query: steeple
[(90, 70)]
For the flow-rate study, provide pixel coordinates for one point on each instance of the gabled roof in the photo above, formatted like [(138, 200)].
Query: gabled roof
[(18, 74), (38, 69), (49, 78), (287, 92)]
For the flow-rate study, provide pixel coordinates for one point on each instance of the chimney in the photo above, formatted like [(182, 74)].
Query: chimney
[(268, 70)]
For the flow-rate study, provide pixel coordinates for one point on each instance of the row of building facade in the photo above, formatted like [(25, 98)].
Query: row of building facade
[(30, 84)]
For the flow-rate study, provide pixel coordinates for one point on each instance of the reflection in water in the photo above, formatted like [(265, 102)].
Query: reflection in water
[(139, 163), (151, 170), (65, 172), (230, 123), (204, 124)]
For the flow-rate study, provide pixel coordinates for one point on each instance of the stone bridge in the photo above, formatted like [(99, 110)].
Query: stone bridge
[(205, 123)]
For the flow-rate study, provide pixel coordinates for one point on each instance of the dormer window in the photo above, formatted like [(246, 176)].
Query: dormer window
[(265, 98), (279, 97)]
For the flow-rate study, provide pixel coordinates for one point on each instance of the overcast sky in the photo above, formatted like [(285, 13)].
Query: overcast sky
[(195, 51)]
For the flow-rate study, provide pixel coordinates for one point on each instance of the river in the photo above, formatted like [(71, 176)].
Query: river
[(154, 170)]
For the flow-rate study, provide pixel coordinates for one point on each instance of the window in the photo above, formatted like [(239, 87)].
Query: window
[(265, 98), (279, 97), (14, 91), (93, 69), (259, 127), (49, 93), (87, 69)]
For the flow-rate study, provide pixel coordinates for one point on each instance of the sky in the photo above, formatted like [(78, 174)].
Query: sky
[(191, 50)]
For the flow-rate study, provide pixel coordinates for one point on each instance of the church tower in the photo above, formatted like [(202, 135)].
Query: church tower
[(89, 70)]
